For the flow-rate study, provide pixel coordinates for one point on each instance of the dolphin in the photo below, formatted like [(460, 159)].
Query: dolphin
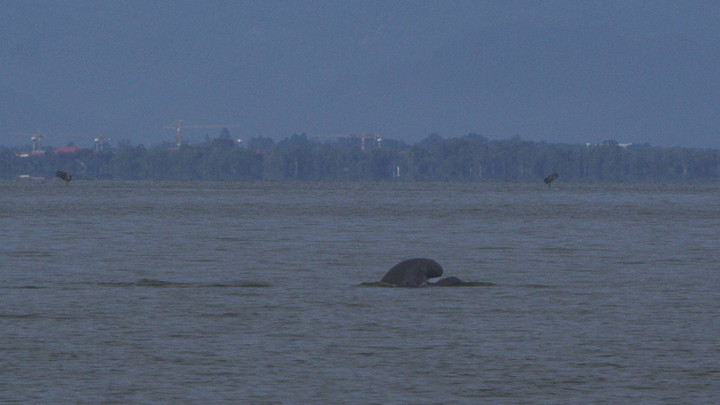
[(413, 272)]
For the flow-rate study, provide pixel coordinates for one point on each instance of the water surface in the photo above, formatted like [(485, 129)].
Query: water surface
[(249, 292)]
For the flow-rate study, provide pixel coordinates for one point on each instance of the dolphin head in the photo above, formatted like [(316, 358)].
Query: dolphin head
[(433, 268)]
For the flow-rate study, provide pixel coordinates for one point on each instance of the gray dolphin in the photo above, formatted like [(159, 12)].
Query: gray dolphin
[(413, 272)]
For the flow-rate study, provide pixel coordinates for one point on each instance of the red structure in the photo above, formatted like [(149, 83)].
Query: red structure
[(68, 149)]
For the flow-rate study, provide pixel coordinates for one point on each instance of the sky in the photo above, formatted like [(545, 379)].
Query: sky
[(553, 71)]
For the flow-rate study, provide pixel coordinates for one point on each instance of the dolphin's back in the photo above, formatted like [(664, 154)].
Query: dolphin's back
[(412, 272)]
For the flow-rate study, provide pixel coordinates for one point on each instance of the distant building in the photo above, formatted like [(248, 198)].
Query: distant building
[(68, 149)]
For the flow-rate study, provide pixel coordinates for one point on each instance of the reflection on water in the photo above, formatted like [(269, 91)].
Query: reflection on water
[(460, 284)]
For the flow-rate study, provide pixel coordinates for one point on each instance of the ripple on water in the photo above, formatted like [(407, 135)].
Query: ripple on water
[(380, 284), (155, 283)]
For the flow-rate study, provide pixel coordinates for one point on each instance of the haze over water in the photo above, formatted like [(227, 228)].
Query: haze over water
[(248, 292)]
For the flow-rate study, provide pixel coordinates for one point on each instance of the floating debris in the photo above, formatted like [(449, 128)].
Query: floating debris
[(64, 176), (549, 179)]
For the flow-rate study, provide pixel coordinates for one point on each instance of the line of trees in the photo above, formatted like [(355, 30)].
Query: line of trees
[(469, 158)]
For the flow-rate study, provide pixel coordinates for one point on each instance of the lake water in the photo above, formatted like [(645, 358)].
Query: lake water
[(248, 292)]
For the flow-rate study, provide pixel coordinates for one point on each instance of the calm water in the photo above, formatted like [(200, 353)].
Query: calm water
[(186, 292)]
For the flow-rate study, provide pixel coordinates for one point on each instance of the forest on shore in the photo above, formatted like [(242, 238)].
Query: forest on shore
[(301, 157)]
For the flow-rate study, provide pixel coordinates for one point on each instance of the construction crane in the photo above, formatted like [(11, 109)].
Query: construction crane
[(99, 140), (179, 126), (36, 140)]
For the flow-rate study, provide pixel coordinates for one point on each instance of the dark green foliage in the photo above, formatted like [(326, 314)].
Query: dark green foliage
[(468, 158)]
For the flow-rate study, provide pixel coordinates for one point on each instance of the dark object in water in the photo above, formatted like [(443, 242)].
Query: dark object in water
[(412, 272), (64, 175), (549, 179)]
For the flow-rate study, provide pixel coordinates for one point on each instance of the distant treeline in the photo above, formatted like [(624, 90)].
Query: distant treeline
[(299, 157)]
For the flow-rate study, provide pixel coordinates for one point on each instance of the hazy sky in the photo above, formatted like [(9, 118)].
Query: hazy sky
[(574, 72)]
